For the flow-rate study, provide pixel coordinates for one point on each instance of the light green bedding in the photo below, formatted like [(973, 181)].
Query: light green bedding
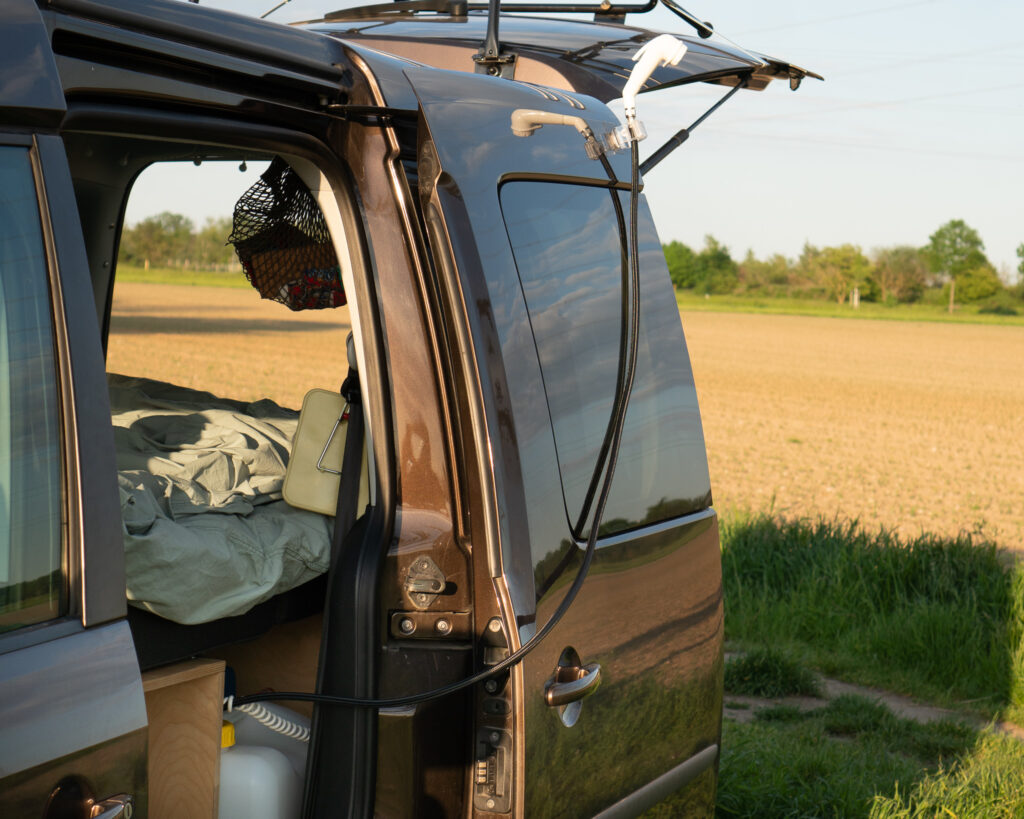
[(206, 532)]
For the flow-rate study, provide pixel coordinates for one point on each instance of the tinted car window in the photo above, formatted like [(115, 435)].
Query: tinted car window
[(566, 243), (30, 458)]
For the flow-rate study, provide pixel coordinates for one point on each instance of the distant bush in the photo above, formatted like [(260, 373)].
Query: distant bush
[(998, 310)]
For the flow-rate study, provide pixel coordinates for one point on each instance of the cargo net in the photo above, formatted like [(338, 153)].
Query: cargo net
[(281, 238)]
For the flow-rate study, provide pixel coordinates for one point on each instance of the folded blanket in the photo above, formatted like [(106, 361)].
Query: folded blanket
[(206, 532)]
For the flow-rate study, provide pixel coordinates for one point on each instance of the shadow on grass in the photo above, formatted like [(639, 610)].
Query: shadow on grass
[(931, 617)]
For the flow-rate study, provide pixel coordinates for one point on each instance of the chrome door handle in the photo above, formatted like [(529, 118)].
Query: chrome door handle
[(121, 806), (572, 683)]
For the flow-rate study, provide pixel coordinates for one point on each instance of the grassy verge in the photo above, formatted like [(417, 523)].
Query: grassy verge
[(965, 314), (854, 758), (937, 618), (187, 278), (940, 619)]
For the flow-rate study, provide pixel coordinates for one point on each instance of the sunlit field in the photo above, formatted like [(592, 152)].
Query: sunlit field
[(914, 426)]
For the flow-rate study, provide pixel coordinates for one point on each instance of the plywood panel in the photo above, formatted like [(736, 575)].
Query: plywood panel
[(184, 704), (283, 659)]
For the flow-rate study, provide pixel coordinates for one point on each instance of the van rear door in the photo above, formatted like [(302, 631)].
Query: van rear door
[(531, 230)]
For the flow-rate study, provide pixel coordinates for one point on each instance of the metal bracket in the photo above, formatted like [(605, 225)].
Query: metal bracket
[(424, 582), (497, 65)]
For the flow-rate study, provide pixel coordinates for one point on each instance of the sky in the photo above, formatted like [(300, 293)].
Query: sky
[(920, 120)]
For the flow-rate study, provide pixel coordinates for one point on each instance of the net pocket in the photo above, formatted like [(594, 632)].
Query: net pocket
[(281, 238)]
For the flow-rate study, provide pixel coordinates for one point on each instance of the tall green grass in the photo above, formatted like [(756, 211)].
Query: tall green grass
[(182, 277), (965, 314), (987, 783), (933, 617), (837, 761)]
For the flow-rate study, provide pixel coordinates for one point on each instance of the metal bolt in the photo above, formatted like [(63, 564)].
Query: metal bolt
[(491, 686), (495, 737), (443, 626), (494, 625), (490, 803), (406, 626), (421, 598)]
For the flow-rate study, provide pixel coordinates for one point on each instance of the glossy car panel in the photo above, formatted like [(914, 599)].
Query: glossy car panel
[(30, 92), (650, 613), (66, 706)]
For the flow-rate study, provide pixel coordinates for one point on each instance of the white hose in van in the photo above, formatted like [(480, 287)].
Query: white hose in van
[(268, 719)]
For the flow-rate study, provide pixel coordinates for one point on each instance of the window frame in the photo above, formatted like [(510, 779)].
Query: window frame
[(70, 607)]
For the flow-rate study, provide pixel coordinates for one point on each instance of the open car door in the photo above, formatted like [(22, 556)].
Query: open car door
[(620, 705), (72, 713)]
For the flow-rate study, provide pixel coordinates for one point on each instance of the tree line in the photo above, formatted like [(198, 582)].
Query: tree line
[(954, 259), (173, 240)]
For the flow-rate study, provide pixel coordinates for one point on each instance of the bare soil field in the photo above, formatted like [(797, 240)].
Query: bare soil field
[(911, 425), (227, 341)]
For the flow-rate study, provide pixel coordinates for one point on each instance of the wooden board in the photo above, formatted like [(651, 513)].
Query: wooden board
[(184, 702), (283, 659)]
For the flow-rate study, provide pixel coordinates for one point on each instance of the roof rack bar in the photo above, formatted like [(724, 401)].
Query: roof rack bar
[(599, 9)]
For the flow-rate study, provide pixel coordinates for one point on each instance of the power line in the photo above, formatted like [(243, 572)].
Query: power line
[(837, 143), (820, 20)]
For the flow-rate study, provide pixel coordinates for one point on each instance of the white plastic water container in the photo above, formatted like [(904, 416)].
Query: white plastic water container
[(261, 771)]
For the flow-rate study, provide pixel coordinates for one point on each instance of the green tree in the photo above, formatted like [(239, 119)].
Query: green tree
[(715, 271), (771, 274), (978, 283), (164, 239), (900, 274), (954, 249), (1020, 255), (839, 269), (681, 264)]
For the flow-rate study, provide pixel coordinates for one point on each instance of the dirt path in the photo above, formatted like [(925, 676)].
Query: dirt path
[(743, 709)]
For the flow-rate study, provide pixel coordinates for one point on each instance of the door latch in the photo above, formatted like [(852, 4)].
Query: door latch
[(424, 582)]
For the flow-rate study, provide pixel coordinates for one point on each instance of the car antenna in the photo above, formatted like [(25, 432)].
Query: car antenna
[(490, 59)]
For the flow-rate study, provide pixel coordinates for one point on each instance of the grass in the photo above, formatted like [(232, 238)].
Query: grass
[(851, 758), (766, 673), (964, 314), (987, 783), (933, 617), (187, 278), (939, 618)]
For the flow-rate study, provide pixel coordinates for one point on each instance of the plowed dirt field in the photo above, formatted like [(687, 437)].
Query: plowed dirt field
[(912, 425)]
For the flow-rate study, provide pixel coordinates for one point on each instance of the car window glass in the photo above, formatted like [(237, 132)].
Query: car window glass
[(31, 582), (566, 243)]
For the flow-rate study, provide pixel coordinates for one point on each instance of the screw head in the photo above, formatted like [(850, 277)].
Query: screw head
[(406, 626), (495, 737), (494, 625), (491, 686), (443, 626), (490, 803)]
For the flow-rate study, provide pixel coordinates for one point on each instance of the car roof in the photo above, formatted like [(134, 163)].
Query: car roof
[(589, 57)]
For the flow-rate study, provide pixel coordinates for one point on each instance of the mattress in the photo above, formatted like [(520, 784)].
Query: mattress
[(206, 532)]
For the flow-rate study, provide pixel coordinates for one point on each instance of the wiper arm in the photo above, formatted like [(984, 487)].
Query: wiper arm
[(683, 134)]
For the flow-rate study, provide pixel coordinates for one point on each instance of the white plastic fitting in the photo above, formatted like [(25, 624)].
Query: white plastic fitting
[(527, 120), (662, 50)]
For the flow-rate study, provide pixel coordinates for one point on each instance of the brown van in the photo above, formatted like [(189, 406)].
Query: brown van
[(478, 573)]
